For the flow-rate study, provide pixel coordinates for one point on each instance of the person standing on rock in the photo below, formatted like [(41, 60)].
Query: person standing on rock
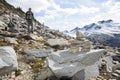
[(29, 17)]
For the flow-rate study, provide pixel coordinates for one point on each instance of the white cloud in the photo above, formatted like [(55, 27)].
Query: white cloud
[(84, 12), (112, 12), (67, 12), (88, 10), (36, 5)]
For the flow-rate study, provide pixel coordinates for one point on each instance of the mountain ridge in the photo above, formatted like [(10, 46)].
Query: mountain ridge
[(107, 30)]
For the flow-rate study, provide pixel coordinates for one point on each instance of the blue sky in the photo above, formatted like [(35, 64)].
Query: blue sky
[(67, 14)]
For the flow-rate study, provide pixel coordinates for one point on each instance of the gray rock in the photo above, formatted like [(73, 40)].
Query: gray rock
[(115, 74), (115, 62), (79, 35), (45, 73), (80, 75), (92, 71), (6, 18), (66, 69), (91, 57), (87, 73), (2, 25), (64, 56), (65, 64), (118, 49), (57, 42), (37, 52), (24, 24), (8, 59), (13, 27), (116, 57), (11, 40), (118, 71)]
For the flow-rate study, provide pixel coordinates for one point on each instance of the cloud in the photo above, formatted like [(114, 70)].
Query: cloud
[(59, 12), (36, 5), (111, 11), (67, 14), (88, 10)]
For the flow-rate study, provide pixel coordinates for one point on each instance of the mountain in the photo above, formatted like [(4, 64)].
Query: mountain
[(75, 29), (106, 32), (46, 53)]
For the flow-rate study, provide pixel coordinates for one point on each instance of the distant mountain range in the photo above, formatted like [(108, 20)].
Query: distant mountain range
[(106, 32)]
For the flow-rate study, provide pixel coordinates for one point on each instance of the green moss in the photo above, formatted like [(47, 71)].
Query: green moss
[(36, 64)]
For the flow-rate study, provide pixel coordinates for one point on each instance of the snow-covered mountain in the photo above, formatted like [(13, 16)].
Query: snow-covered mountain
[(106, 32)]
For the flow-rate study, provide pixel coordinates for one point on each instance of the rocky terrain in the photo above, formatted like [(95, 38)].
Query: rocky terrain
[(49, 54)]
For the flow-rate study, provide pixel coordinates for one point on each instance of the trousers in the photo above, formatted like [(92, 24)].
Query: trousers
[(30, 26)]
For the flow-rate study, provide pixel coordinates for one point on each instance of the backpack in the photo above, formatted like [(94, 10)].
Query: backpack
[(29, 15)]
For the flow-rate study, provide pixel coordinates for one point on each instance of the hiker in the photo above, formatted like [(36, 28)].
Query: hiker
[(29, 17)]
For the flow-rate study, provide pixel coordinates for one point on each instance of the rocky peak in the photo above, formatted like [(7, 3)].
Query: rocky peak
[(105, 21)]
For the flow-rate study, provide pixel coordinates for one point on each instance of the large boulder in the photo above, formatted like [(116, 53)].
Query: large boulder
[(57, 42), (64, 56), (8, 59), (63, 63)]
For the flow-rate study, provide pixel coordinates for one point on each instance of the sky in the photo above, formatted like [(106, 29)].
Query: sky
[(68, 14)]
